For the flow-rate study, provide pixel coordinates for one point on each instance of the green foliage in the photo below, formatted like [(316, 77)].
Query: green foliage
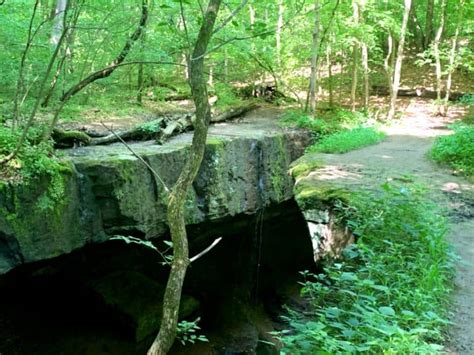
[(346, 140), (327, 122), (34, 162), (456, 150), (338, 131), (187, 332), (467, 99), (389, 294), (226, 96)]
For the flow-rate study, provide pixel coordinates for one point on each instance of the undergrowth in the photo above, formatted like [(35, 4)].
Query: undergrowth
[(389, 293), (336, 131), (456, 150), (33, 162), (347, 140)]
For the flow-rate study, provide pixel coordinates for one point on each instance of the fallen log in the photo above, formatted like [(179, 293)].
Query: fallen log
[(178, 97), (144, 131), (65, 139), (185, 123), (418, 92), (160, 129), (234, 112)]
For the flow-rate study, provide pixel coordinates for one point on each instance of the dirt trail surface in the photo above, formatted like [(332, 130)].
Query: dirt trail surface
[(403, 156)]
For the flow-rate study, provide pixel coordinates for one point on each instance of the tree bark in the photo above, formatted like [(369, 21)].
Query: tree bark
[(429, 23), (58, 25), (452, 58), (365, 66), (177, 198), (387, 63), (281, 12), (115, 63), (436, 44), (330, 76), (314, 59), (101, 73), (355, 9), (32, 116), (21, 71), (398, 64)]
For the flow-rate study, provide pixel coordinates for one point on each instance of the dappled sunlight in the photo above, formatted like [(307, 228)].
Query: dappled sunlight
[(419, 119), (334, 172)]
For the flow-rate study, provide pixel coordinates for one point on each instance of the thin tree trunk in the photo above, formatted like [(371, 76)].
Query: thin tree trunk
[(38, 100), (120, 58), (281, 12), (436, 44), (330, 76), (365, 67), (452, 58), (58, 25), (398, 64), (21, 72), (226, 65), (314, 59), (429, 23), (387, 63), (104, 73), (140, 84), (177, 198), (355, 9)]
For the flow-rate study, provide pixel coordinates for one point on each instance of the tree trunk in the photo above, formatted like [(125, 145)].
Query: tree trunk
[(314, 59), (330, 76), (281, 12), (365, 67), (429, 23), (436, 44), (21, 71), (177, 198), (104, 73), (355, 9), (58, 25), (32, 116), (140, 84), (386, 63), (452, 58), (398, 63)]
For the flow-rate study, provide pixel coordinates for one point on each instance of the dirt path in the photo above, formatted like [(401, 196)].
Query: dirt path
[(403, 157)]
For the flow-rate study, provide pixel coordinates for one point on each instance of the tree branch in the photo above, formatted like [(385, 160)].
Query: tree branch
[(138, 156), (105, 72)]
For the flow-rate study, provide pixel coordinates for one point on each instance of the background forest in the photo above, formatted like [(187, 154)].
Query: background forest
[(71, 69)]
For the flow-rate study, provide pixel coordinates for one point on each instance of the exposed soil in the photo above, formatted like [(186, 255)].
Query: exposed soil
[(403, 156)]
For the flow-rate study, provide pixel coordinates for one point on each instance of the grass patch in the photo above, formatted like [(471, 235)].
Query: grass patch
[(336, 131), (389, 294), (346, 140), (456, 150)]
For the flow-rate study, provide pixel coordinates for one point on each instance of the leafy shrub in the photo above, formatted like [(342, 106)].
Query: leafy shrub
[(226, 96), (456, 150), (389, 293), (467, 99), (337, 131), (298, 118), (34, 161), (346, 140)]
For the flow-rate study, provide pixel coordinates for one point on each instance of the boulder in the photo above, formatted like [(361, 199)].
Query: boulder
[(108, 191)]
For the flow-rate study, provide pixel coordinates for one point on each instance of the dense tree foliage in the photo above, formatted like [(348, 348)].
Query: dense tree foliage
[(66, 60)]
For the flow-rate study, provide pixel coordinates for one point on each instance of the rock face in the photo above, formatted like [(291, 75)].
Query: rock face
[(108, 191), (318, 201)]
